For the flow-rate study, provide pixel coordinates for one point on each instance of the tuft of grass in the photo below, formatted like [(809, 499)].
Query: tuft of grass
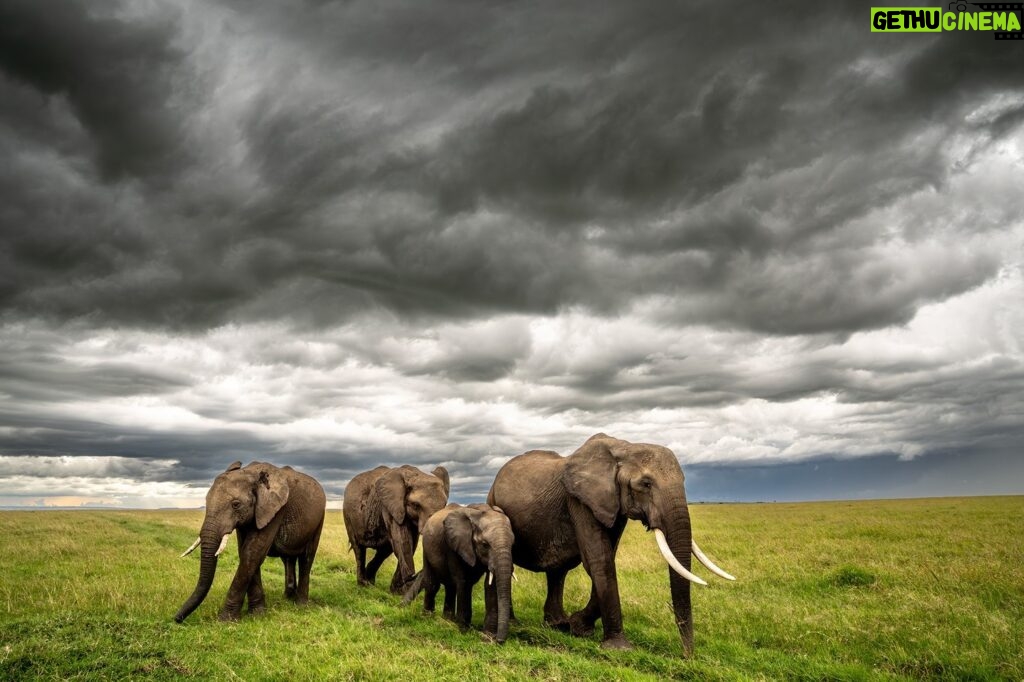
[(850, 576), (876, 590)]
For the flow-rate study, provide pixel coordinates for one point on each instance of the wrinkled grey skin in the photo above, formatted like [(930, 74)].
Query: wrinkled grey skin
[(568, 510), (461, 545), (276, 512), (386, 509)]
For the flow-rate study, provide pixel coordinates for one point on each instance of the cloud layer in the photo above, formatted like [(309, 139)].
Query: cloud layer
[(337, 234)]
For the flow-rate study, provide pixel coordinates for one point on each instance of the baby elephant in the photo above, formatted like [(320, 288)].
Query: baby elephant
[(460, 544)]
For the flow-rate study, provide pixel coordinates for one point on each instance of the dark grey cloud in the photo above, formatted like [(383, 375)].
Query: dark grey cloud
[(344, 233), (628, 154), (115, 75)]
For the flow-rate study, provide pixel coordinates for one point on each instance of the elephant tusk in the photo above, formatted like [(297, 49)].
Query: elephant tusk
[(192, 548), (701, 557), (490, 578), (515, 577), (672, 561), (223, 544)]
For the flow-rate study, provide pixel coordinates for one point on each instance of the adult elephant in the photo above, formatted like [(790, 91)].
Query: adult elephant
[(386, 509), (568, 510), (277, 512)]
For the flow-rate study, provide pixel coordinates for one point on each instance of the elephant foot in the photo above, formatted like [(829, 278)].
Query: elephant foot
[(618, 642), (258, 610), (364, 582), (401, 587), (301, 600), (580, 626), (229, 616), (561, 624), (491, 637)]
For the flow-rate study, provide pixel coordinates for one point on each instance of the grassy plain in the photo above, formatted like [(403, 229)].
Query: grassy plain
[(904, 589)]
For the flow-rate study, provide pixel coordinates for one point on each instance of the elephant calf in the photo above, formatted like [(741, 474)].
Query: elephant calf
[(276, 512), (460, 544)]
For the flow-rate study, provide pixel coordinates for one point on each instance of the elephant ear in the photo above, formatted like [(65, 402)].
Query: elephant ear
[(271, 494), (458, 531), (233, 466), (391, 491), (589, 476), (442, 473)]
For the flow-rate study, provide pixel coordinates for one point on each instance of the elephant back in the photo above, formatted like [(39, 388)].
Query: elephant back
[(529, 489)]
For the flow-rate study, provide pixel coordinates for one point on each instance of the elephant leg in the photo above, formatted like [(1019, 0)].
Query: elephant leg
[(597, 547), (251, 554), (430, 594), (370, 573), (302, 590), (449, 600), (397, 581), (463, 602), (257, 600), (360, 553), (581, 623), (289, 577), (554, 611), (306, 567)]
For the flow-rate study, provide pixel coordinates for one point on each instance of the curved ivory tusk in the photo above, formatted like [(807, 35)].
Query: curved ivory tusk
[(192, 548), (672, 561), (515, 577), (223, 544), (701, 557), (490, 578)]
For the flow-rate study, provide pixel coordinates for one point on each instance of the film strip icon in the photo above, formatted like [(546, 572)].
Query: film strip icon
[(995, 7)]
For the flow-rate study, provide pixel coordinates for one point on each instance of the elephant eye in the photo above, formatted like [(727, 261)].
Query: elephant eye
[(236, 503)]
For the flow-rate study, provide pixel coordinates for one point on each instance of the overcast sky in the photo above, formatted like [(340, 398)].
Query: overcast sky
[(340, 234)]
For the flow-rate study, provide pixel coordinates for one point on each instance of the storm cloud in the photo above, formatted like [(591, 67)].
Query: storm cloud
[(337, 234)]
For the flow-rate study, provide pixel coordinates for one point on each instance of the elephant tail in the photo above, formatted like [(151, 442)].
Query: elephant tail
[(415, 587)]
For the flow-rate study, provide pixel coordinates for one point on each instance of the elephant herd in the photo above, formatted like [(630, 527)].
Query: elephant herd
[(544, 513)]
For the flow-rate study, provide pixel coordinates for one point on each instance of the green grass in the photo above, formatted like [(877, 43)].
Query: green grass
[(906, 589)]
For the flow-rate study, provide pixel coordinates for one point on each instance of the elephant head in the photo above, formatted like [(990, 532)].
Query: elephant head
[(616, 478), (239, 497), (408, 494), (482, 536)]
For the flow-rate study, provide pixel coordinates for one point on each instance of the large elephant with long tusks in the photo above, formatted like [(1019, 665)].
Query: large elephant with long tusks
[(568, 510), (276, 512)]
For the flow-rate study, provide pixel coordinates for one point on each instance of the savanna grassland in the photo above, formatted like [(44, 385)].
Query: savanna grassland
[(904, 589)]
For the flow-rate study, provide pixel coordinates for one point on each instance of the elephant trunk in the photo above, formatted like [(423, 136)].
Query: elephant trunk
[(678, 535), (502, 571), (210, 541)]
